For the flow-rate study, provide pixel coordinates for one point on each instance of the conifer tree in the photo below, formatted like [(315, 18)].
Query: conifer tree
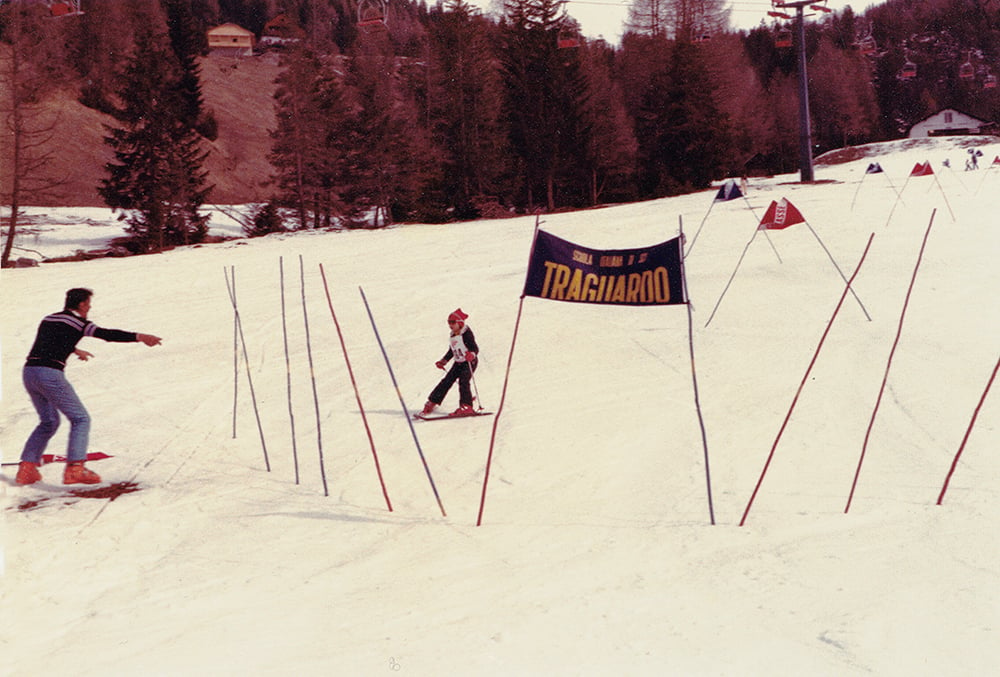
[(611, 149), (188, 41), (157, 176), (545, 95), (465, 99), (396, 161), (315, 146), (680, 130)]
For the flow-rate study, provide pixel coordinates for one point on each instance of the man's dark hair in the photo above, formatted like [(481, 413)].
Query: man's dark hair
[(74, 297)]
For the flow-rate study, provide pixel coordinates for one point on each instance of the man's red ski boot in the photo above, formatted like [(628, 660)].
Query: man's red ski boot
[(77, 474), (27, 473)]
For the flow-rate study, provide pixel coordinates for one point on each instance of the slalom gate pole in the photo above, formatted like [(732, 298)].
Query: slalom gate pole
[(694, 381), (842, 276), (805, 378), (888, 364), (503, 392), (236, 351), (402, 403), (732, 277), (773, 248), (944, 196), (312, 376), (968, 431), (767, 237), (246, 360), (858, 190), (288, 367), (982, 181), (357, 394), (698, 232), (899, 198), (899, 195)]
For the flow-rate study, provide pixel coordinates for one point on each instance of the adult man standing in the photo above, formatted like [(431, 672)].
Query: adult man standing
[(45, 380)]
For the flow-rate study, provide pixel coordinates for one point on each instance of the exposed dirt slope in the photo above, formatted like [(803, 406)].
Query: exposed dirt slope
[(238, 92)]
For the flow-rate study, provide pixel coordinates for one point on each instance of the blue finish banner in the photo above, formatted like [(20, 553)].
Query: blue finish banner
[(648, 276)]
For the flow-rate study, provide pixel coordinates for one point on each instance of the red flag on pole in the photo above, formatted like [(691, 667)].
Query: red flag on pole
[(780, 215), (923, 169)]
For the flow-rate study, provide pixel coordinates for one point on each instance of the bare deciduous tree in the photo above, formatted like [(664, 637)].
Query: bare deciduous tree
[(29, 147)]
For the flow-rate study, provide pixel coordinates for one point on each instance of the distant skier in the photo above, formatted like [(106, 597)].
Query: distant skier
[(51, 393), (462, 346)]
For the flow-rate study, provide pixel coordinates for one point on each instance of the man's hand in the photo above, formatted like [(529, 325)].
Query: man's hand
[(83, 354), (149, 339)]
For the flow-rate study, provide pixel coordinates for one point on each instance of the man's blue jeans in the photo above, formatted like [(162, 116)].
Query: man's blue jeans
[(51, 393)]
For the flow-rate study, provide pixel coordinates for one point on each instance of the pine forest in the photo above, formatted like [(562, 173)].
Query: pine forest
[(394, 110)]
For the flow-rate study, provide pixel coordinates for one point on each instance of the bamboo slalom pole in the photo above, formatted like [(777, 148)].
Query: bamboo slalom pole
[(288, 368), (312, 376), (402, 403), (246, 360)]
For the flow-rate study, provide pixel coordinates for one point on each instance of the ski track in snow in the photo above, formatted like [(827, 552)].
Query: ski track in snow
[(596, 555)]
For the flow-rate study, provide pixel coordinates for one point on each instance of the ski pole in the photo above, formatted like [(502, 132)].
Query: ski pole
[(472, 378)]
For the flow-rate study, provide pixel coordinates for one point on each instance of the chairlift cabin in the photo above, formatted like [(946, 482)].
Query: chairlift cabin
[(775, 14), (567, 40), (821, 8), (908, 71), (784, 39), (372, 15), (990, 81), (867, 45), (966, 71), (61, 8)]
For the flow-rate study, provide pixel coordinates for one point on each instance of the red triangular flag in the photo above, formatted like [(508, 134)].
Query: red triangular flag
[(922, 169), (780, 215), (996, 160)]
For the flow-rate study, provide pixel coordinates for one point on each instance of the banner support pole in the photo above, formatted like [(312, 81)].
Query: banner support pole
[(694, 380), (503, 392)]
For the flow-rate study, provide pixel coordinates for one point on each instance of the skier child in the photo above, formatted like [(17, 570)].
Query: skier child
[(462, 346)]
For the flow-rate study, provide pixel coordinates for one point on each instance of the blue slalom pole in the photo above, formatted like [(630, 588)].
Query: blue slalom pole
[(402, 403)]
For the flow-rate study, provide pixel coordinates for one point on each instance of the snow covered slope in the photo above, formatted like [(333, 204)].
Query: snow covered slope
[(596, 555)]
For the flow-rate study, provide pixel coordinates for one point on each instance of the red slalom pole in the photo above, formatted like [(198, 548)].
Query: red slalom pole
[(888, 364), (354, 384), (968, 431), (805, 378)]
